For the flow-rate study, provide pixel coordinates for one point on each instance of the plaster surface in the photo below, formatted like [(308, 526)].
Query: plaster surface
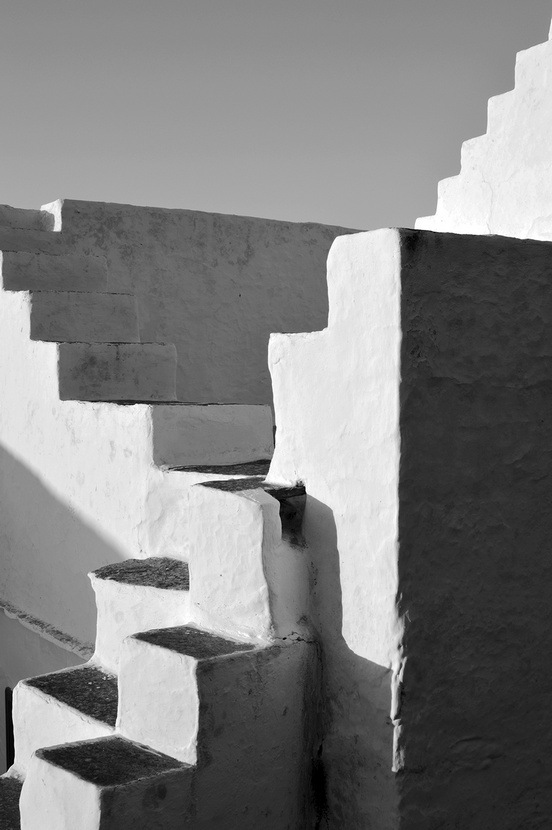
[(504, 186), (214, 285), (417, 421)]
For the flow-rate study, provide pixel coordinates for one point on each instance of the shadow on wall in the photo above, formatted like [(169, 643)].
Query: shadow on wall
[(353, 782), (40, 539)]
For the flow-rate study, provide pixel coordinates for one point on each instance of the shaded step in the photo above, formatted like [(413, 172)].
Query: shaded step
[(89, 317), (110, 783), (10, 790), (22, 271), (24, 219), (44, 242), (73, 704), (159, 706), (117, 372), (215, 434), (136, 595)]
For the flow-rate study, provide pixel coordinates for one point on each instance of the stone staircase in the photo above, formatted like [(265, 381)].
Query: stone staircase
[(194, 709)]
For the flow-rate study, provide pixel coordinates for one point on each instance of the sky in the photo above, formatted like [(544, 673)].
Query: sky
[(345, 112)]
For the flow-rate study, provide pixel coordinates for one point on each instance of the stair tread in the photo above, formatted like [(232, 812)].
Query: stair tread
[(249, 468), (237, 484), (87, 689), (108, 762), (192, 642), (10, 789), (155, 572)]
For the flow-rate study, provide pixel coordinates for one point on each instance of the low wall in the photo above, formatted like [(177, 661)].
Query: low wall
[(217, 286)]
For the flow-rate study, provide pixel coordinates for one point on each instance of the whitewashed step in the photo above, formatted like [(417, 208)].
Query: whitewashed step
[(23, 271), (106, 784), (187, 436), (43, 242), (10, 790), (117, 372), (247, 564), (136, 595), (162, 685), (24, 219), (89, 317), (242, 714), (68, 705)]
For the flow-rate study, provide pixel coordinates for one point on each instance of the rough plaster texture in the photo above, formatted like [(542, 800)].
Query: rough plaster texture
[(505, 186), (214, 285), (417, 421)]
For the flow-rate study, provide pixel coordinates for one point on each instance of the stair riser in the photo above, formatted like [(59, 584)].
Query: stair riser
[(117, 372), (126, 609), (211, 435), (84, 317), (163, 712), (40, 721), (23, 271), (231, 537), (54, 800)]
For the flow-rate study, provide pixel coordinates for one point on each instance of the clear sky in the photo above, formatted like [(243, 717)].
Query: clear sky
[(339, 111)]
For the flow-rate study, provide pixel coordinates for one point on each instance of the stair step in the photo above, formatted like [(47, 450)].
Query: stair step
[(72, 704), (90, 317), (117, 372), (136, 595), (214, 434), (10, 790), (24, 219), (38, 242), (22, 271), (160, 673), (109, 783)]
